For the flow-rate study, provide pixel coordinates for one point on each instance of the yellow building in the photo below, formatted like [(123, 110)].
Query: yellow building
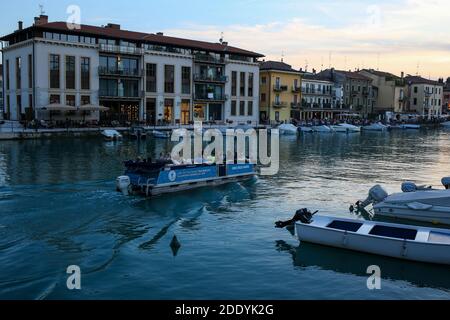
[(280, 92)]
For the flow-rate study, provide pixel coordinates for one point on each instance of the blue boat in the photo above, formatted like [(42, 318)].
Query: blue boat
[(155, 178)]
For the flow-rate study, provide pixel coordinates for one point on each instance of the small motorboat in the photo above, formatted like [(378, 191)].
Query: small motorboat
[(346, 128), (161, 134), (414, 243), (306, 129), (419, 203), (322, 129), (376, 127), (288, 129), (410, 126), (111, 135)]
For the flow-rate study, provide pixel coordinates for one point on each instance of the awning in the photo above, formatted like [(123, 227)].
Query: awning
[(58, 107), (90, 107)]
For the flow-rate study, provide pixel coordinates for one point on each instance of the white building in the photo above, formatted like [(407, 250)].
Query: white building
[(54, 73), (424, 96)]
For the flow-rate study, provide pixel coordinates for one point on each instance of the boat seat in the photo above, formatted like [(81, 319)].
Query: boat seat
[(393, 232), (345, 226), (439, 237)]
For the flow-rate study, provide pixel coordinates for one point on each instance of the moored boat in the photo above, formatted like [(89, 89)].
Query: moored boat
[(161, 134), (376, 127), (446, 124), (346, 128), (305, 129), (410, 126), (322, 129), (111, 135), (412, 243), (288, 129)]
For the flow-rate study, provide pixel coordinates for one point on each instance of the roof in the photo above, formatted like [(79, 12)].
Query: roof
[(317, 77), (276, 65), (328, 75), (117, 33), (381, 73), (419, 80)]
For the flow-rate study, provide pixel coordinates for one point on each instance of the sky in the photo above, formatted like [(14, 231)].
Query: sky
[(408, 36)]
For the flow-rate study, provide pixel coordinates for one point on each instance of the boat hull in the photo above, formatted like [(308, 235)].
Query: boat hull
[(318, 233), (436, 215)]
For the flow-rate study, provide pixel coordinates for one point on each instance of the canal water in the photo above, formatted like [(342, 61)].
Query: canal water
[(58, 207)]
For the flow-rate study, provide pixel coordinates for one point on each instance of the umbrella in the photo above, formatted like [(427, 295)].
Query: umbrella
[(90, 107), (59, 107)]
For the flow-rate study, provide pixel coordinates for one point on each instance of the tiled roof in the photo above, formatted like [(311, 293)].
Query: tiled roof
[(381, 73), (317, 77), (419, 80), (327, 74), (117, 33), (276, 65)]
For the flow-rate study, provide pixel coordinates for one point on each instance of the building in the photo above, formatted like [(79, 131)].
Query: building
[(280, 89), (424, 96), (321, 99), (392, 91), (446, 101), (112, 75), (2, 110), (357, 94)]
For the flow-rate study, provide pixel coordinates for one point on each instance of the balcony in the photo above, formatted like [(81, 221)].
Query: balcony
[(210, 97), (428, 93), (121, 49), (120, 95), (206, 58), (296, 89), (106, 71), (295, 105), (279, 104), (280, 88), (208, 78)]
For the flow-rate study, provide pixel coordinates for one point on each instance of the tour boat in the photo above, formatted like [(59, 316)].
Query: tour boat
[(346, 128), (322, 129), (161, 134), (414, 203), (412, 243), (154, 178), (375, 127), (111, 135), (288, 129)]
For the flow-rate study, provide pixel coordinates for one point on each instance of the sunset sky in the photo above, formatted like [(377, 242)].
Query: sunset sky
[(395, 35)]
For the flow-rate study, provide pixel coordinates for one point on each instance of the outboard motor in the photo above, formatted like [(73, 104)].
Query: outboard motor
[(122, 184), (446, 182), (409, 187), (376, 195), (303, 215)]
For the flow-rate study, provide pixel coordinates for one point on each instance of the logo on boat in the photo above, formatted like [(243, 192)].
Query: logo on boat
[(172, 176)]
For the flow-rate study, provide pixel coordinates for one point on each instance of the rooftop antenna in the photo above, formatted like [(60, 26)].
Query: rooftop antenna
[(306, 65), (282, 56), (221, 38), (41, 9)]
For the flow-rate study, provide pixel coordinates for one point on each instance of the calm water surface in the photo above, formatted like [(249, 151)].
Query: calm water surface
[(58, 207)]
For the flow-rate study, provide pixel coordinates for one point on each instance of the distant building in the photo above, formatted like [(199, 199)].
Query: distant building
[(143, 77), (2, 103), (280, 92), (358, 96), (446, 102), (424, 96), (392, 91)]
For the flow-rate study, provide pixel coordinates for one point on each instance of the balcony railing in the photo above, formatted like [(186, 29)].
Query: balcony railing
[(279, 104), (296, 89), (112, 94), (120, 49), (210, 97), (119, 72), (208, 59), (208, 78), (296, 105), (279, 88)]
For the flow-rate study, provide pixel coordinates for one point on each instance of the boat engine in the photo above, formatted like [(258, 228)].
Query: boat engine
[(122, 184), (376, 195), (409, 187), (303, 215), (446, 182)]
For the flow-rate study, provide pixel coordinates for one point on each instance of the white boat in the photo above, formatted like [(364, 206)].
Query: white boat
[(346, 128), (410, 126), (111, 135), (412, 243), (288, 129), (322, 129), (375, 127), (161, 134), (305, 129), (414, 203), (446, 124)]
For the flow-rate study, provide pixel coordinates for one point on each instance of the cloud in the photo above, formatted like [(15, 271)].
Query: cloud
[(393, 36)]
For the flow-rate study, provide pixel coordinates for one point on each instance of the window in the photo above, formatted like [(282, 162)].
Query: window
[(233, 107), (30, 71), (85, 100), (250, 108), (242, 85), (30, 101), (234, 83), (19, 104), (415, 89), (169, 78), (54, 71), (242, 108), (263, 97), (7, 75), (415, 101), (150, 73), (18, 73), (185, 80), (250, 84), (8, 104), (85, 73), (70, 100), (263, 80), (70, 72), (55, 99)]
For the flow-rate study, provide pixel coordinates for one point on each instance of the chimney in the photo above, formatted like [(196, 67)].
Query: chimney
[(42, 19), (20, 25), (225, 43), (113, 26), (402, 75), (160, 34)]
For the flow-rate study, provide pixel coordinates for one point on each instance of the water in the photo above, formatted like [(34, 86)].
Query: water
[(59, 208)]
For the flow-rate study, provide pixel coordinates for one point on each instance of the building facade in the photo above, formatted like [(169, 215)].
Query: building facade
[(2, 110), (446, 101), (391, 91), (280, 92), (112, 75), (424, 96)]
